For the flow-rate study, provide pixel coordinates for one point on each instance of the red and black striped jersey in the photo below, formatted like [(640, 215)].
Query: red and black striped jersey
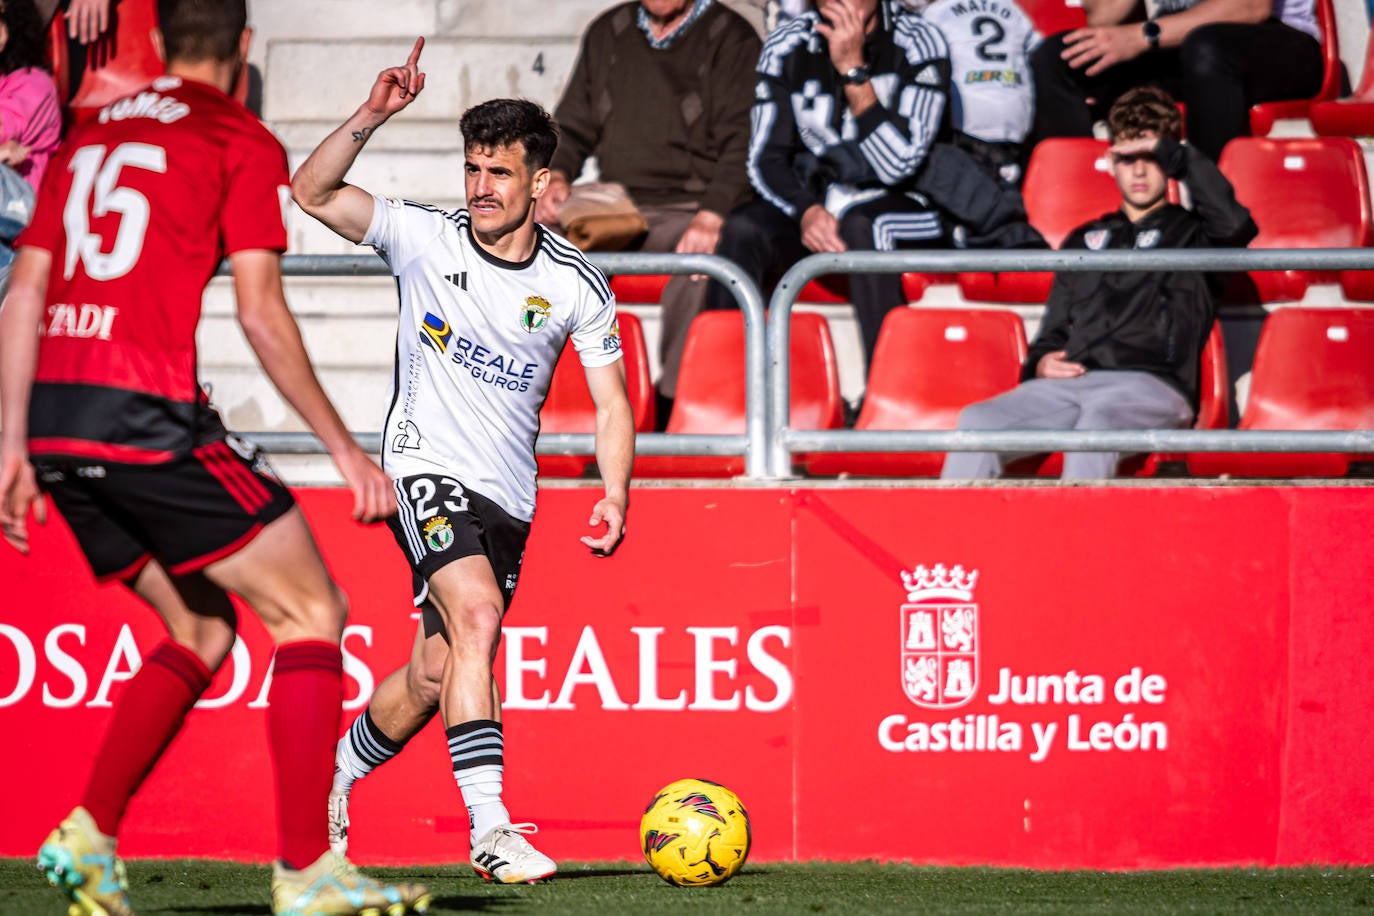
[(137, 209)]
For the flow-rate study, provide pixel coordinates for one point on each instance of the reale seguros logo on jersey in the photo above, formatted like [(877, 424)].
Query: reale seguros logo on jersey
[(939, 636), (535, 314), (435, 332), (611, 342)]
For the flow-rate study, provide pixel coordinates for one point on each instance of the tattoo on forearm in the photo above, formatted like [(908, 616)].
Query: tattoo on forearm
[(360, 136)]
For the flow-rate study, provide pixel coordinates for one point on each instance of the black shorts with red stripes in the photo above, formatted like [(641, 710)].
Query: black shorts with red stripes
[(185, 513)]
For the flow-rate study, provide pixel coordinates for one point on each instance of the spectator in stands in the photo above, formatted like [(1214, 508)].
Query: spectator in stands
[(660, 95), (30, 119), (992, 99), (1218, 57), (849, 100), (1121, 350)]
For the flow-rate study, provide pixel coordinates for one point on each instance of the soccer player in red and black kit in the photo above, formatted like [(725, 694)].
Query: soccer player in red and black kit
[(101, 408)]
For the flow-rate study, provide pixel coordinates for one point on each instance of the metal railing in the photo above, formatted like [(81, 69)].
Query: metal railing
[(769, 443), (752, 444), (783, 441)]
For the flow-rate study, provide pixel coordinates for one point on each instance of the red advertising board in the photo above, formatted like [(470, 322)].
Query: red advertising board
[(1053, 677)]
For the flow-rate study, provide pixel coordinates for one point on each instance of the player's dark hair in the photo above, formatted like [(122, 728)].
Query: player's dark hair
[(199, 30), (1141, 110), (505, 122), (27, 46)]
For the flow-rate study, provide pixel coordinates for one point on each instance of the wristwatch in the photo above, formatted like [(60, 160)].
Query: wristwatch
[(856, 76), (1151, 30)]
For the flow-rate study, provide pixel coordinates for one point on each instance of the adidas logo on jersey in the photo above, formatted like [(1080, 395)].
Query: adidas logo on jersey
[(459, 280)]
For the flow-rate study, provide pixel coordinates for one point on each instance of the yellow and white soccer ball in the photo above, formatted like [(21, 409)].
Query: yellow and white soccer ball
[(694, 833)]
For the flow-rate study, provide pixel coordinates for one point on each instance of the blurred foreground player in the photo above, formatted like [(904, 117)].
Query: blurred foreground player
[(102, 409), (487, 300)]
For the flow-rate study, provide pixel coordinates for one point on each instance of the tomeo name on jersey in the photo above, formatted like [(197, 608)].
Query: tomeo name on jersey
[(476, 345)]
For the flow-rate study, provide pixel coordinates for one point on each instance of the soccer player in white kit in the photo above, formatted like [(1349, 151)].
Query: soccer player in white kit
[(487, 300)]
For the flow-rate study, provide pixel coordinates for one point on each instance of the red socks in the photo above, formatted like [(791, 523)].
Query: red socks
[(306, 700), (146, 719)]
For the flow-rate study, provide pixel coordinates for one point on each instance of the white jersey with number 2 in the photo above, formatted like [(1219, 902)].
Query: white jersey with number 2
[(476, 345), (989, 54)]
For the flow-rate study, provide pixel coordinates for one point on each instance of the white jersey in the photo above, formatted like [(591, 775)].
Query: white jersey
[(476, 344), (989, 60)]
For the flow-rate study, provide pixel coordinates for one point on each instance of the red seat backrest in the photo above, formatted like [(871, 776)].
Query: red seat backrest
[(1213, 409), (711, 384), (1068, 182), (930, 363), (569, 408), (1302, 192), (1051, 16), (122, 60), (1314, 369)]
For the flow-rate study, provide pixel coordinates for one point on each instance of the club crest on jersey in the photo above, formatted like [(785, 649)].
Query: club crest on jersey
[(438, 534), (535, 314), (435, 332), (1097, 239)]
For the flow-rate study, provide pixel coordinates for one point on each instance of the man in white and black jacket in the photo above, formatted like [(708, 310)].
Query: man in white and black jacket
[(1122, 349), (850, 99)]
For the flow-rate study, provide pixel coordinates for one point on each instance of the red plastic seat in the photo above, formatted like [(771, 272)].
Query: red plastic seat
[(711, 390), (1352, 117), (1302, 193), (1314, 369), (928, 365), (569, 408), (1213, 412), (1052, 16), (122, 60), (1068, 182), (1263, 116), (1357, 285)]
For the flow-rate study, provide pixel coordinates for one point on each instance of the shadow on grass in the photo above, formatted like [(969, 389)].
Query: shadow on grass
[(452, 902), (610, 872)]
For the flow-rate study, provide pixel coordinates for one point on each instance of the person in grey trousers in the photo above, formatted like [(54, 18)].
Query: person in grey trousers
[(1122, 349)]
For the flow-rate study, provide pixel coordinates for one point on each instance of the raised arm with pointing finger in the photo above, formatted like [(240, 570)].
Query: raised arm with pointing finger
[(318, 185)]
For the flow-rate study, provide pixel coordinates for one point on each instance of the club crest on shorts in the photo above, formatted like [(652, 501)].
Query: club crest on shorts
[(939, 636), (438, 534), (535, 314)]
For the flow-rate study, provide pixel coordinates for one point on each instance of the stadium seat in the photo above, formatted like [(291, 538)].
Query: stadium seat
[(1052, 16), (928, 365), (711, 390), (1213, 412), (1068, 182), (1357, 285), (1313, 369), (1352, 117), (569, 408), (1263, 116), (1302, 193), (122, 60)]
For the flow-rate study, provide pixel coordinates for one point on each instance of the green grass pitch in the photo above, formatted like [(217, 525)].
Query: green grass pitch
[(221, 888)]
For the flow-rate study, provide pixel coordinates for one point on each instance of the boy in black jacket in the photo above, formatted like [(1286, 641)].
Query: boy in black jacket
[(1121, 350)]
